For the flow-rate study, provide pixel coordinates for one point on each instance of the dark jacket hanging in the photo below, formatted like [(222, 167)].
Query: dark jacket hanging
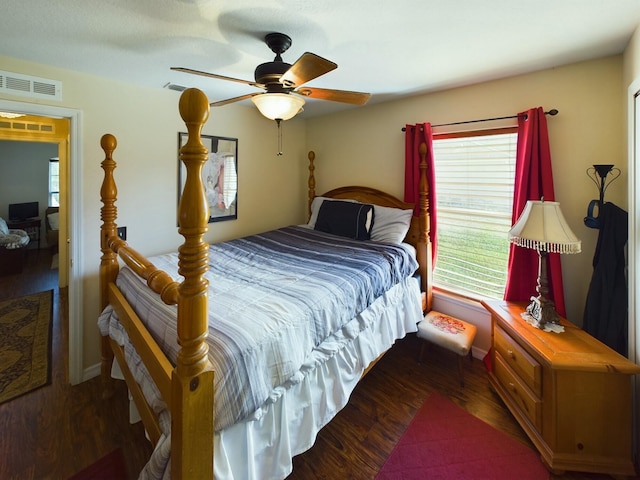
[(606, 310)]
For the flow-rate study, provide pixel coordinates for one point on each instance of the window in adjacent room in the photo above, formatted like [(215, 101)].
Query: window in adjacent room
[(54, 182), (475, 174)]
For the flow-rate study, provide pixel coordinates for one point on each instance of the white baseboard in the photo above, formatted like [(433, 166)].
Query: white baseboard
[(91, 372)]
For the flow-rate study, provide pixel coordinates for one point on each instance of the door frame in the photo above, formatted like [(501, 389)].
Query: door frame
[(74, 215), (633, 243)]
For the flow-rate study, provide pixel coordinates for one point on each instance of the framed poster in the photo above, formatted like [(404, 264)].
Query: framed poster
[(219, 175)]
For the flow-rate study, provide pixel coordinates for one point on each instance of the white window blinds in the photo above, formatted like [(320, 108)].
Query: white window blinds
[(474, 190), (54, 182)]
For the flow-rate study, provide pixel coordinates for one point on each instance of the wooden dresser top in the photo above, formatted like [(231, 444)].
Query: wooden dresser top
[(574, 348)]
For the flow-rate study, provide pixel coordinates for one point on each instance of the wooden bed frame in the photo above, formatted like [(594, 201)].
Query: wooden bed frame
[(188, 387)]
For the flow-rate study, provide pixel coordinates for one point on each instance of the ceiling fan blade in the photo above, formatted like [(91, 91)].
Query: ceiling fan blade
[(213, 75), (344, 96), (234, 99), (307, 67)]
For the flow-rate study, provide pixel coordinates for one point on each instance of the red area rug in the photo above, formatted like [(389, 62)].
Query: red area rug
[(109, 467), (446, 442)]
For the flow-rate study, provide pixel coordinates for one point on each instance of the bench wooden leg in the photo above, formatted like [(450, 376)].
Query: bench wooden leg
[(424, 345)]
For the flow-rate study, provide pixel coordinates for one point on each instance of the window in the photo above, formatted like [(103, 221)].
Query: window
[(54, 182), (474, 174)]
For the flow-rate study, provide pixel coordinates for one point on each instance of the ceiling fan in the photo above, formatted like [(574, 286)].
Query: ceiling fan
[(283, 83)]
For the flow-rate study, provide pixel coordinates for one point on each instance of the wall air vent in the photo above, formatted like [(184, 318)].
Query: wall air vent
[(173, 86), (30, 86)]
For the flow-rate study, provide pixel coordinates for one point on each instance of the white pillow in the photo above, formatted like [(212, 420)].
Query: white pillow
[(54, 221), (389, 225)]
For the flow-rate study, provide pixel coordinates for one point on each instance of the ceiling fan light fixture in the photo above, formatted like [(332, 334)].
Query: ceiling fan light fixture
[(278, 106)]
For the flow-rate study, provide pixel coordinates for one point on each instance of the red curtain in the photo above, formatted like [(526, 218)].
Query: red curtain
[(414, 136), (533, 181)]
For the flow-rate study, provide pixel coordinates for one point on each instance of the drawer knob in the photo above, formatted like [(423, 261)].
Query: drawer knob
[(510, 353)]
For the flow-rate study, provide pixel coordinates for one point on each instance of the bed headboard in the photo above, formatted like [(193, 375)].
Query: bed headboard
[(383, 199)]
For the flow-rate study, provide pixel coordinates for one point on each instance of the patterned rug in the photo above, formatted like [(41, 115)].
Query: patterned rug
[(444, 441), (25, 344)]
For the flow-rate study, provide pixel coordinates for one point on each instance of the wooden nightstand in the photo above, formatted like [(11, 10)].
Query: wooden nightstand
[(570, 393)]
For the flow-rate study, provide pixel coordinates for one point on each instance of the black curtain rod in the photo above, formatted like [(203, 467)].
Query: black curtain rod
[(551, 112)]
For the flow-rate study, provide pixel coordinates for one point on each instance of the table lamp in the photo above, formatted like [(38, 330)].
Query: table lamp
[(542, 227)]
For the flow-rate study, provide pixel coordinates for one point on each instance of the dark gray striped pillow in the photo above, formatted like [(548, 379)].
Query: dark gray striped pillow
[(347, 219)]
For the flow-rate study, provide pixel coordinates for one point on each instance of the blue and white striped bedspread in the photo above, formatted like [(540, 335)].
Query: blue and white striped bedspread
[(274, 298)]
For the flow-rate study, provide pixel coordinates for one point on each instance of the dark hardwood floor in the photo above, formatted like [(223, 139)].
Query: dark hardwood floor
[(57, 430)]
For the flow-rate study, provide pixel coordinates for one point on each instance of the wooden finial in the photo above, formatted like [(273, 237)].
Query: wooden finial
[(194, 106), (108, 143)]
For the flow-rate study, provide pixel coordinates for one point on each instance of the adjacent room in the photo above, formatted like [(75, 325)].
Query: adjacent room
[(263, 240)]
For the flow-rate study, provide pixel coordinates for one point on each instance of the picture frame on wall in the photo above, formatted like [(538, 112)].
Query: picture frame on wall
[(219, 175)]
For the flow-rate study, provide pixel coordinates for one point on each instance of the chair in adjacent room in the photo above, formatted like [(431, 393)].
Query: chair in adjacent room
[(13, 249)]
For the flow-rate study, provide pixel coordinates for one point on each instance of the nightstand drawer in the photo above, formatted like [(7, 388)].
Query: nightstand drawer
[(525, 366), (528, 403)]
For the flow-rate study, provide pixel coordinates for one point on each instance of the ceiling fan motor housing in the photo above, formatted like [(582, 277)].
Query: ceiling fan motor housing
[(269, 73)]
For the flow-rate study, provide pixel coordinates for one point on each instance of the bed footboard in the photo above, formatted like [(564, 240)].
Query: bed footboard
[(187, 388)]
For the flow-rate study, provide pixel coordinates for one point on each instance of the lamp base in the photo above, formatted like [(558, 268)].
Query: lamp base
[(541, 310)]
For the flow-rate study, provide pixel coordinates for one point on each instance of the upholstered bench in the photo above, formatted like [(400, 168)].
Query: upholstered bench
[(449, 333)]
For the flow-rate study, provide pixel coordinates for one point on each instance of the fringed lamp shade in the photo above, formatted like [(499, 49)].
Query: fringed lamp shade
[(542, 227)]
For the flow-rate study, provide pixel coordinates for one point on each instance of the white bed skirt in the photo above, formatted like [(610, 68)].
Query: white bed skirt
[(262, 447)]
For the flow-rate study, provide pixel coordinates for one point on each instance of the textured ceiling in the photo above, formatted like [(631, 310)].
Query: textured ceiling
[(389, 49)]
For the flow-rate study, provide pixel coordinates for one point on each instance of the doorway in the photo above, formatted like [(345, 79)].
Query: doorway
[(31, 132), (26, 169), (45, 123), (633, 244), (26, 200)]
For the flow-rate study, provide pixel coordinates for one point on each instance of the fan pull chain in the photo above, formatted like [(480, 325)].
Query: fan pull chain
[(279, 122)]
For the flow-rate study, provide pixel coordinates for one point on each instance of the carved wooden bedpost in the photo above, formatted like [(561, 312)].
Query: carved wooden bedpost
[(192, 380), (424, 252), (312, 181), (108, 261)]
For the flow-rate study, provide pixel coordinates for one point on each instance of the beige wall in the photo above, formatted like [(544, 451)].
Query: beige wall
[(632, 59), (146, 122), (366, 146)]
